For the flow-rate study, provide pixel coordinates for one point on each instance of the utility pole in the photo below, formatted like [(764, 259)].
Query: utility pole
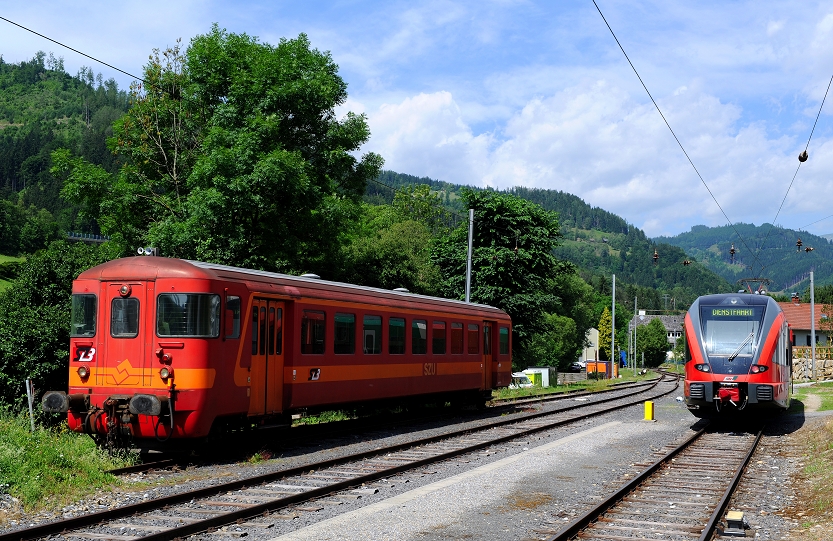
[(468, 260), (813, 323), (613, 329), (635, 312)]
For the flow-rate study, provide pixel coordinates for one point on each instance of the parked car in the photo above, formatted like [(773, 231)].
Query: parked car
[(578, 366)]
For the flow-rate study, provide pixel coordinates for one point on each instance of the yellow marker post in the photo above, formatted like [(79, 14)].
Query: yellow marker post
[(649, 411)]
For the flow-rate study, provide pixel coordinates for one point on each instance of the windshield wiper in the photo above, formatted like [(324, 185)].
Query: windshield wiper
[(740, 347)]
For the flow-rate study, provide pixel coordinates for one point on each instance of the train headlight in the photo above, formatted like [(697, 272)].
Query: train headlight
[(703, 367), (757, 368), (166, 373), (83, 372)]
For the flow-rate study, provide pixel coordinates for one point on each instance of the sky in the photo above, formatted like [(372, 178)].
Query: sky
[(506, 93)]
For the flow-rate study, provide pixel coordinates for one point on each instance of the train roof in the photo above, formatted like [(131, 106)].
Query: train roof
[(153, 268), (745, 298)]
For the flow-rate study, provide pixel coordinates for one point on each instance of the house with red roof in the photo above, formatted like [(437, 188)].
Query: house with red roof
[(798, 316)]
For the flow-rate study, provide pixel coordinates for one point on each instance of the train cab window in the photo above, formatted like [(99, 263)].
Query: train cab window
[(372, 335), (188, 314), (438, 338), (474, 338), (83, 315), (503, 340), (396, 335), (344, 339), (232, 317), (124, 318), (313, 326), (419, 336), (487, 339), (456, 338)]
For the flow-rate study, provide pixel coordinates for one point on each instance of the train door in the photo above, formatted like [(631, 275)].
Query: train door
[(488, 328), (129, 313), (267, 357)]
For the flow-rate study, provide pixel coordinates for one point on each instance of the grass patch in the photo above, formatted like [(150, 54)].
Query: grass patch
[(51, 466), (324, 417), (819, 397), (814, 481)]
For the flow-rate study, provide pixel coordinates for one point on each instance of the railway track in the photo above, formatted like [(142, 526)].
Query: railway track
[(683, 495), (309, 487), (299, 435)]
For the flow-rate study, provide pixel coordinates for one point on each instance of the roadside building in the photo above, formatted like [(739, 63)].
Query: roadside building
[(673, 324), (798, 316)]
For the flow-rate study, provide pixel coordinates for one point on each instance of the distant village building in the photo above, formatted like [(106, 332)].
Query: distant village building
[(673, 325), (798, 316), (591, 351)]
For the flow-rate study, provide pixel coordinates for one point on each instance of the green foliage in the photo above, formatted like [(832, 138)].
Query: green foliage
[(34, 319), (605, 328), (652, 340), (233, 155), (50, 466), (42, 108), (515, 280), (762, 247)]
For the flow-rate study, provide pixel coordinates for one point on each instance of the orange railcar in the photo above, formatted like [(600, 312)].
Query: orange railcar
[(166, 349)]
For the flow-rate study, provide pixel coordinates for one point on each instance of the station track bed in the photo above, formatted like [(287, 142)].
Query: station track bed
[(682, 496), (308, 487), (301, 434)]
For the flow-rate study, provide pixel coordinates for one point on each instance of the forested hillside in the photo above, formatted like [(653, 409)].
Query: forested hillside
[(598, 242), (43, 108), (764, 251)]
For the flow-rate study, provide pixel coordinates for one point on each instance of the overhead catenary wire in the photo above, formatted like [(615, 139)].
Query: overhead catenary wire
[(74, 50), (669, 126), (800, 161)]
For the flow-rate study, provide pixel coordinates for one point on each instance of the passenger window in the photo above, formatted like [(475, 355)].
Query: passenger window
[(456, 338), (487, 339), (124, 318), (372, 335), (503, 339), (254, 330), (396, 336), (419, 336), (263, 335), (438, 338), (313, 327), (474, 339), (232, 317), (279, 333), (345, 334), (270, 350)]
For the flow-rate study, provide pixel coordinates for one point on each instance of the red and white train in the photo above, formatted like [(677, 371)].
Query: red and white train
[(738, 352), (166, 349)]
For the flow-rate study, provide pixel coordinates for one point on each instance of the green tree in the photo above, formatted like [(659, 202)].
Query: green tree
[(605, 332), (233, 154), (512, 262), (652, 340), (34, 318), (556, 344)]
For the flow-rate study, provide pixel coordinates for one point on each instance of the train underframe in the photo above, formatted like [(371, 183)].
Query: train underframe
[(712, 398)]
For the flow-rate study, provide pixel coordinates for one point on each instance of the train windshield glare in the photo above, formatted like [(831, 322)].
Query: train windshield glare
[(731, 332)]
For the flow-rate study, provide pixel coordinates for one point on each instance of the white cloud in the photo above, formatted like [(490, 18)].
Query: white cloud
[(595, 141)]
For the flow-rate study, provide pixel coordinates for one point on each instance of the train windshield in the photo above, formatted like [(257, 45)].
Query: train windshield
[(83, 315), (188, 314), (731, 332)]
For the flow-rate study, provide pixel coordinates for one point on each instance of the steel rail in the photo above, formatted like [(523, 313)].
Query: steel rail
[(586, 520), (334, 428), (57, 527), (711, 525)]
